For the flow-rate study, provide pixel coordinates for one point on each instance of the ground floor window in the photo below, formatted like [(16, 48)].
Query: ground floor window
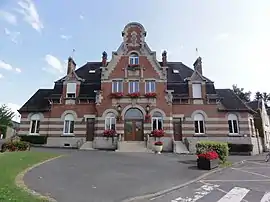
[(69, 124), (110, 121), (157, 121), (35, 124), (199, 124)]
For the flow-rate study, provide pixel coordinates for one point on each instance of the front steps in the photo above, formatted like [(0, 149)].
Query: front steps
[(180, 148), (88, 145), (132, 146)]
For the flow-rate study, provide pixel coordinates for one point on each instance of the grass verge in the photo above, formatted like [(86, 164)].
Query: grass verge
[(225, 164), (11, 164)]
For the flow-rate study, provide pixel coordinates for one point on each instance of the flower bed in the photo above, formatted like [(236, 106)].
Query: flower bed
[(15, 146)]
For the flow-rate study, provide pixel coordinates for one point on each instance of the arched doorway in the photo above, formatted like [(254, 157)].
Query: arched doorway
[(133, 125)]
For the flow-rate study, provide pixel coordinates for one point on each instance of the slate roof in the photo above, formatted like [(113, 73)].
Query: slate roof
[(176, 81), (256, 104)]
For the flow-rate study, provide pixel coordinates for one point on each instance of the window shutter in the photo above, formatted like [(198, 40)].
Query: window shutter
[(71, 88), (197, 90)]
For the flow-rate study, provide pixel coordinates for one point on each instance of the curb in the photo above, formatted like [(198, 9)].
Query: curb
[(20, 182), (166, 191)]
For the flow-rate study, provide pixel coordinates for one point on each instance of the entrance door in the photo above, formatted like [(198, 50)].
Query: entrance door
[(90, 129), (177, 129), (133, 125)]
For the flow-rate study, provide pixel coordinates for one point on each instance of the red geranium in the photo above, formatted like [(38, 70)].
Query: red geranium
[(208, 155), (109, 133), (134, 95), (149, 95), (159, 143), (157, 133)]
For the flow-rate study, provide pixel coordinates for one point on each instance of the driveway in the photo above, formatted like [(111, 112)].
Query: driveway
[(100, 176)]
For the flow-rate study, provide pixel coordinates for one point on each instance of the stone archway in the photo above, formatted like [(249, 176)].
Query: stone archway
[(133, 130)]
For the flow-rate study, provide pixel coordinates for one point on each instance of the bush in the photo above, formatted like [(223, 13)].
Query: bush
[(34, 139), (240, 148), (15, 146), (220, 147)]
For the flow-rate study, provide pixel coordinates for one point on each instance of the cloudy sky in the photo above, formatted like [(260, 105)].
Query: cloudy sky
[(36, 38)]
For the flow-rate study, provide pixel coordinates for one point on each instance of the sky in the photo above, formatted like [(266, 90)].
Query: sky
[(37, 37)]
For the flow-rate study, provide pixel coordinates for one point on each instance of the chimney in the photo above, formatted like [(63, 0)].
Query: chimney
[(164, 59), (71, 65), (198, 65), (104, 59)]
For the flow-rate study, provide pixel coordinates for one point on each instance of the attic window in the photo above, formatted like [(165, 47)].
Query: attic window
[(175, 71), (92, 71)]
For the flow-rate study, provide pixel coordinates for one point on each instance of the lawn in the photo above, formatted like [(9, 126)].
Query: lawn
[(11, 164)]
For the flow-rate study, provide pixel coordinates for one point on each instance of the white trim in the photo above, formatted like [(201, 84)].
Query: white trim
[(157, 110), (106, 112), (132, 106), (69, 112), (119, 86), (133, 84), (89, 116), (151, 90), (199, 112)]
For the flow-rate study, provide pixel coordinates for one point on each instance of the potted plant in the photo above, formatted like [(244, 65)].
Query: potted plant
[(207, 160), (157, 133), (134, 95), (158, 147), (110, 133), (150, 95)]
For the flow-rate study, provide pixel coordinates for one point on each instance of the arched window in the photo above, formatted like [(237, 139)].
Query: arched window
[(110, 121), (157, 121), (133, 113), (69, 124), (199, 124), (233, 124), (134, 59), (35, 123)]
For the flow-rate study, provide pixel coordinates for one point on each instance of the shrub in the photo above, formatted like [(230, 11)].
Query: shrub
[(15, 146), (221, 148), (34, 139)]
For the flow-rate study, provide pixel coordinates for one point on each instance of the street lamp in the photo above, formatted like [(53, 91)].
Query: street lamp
[(147, 108), (119, 108)]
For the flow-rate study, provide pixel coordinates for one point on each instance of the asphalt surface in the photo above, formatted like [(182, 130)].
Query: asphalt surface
[(100, 176), (247, 182)]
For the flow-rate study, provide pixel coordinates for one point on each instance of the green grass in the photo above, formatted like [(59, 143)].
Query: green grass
[(225, 164), (11, 164)]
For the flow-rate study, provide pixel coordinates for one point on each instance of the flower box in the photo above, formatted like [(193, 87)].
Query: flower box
[(150, 95), (109, 133), (134, 95), (117, 95), (157, 133), (208, 160)]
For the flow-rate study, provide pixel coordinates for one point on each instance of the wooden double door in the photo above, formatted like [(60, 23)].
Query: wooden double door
[(133, 130)]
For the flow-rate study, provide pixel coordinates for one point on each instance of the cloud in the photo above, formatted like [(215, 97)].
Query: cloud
[(12, 35), (222, 36), (81, 17), (9, 17), (18, 70), (55, 64), (30, 14), (5, 66), (1, 76), (66, 37)]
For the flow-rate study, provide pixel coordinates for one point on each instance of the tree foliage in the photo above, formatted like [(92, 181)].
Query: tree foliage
[(6, 116), (244, 96), (265, 96)]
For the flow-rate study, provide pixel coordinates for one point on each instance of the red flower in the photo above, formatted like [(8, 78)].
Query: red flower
[(117, 95), (158, 133), (134, 95), (159, 143), (149, 95), (109, 133), (208, 155)]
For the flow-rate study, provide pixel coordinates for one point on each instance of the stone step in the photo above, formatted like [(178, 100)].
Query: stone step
[(132, 146), (180, 148), (88, 145)]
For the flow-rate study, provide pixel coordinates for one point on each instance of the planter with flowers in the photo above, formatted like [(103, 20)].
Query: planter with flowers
[(134, 95), (150, 95), (158, 145), (207, 160), (117, 95), (109, 134), (147, 118)]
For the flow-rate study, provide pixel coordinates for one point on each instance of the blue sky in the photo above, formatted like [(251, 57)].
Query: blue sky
[(36, 38)]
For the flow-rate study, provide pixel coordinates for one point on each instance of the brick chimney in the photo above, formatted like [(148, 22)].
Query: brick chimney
[(71, 65), (164, 58), (104, 59), (198, 65)]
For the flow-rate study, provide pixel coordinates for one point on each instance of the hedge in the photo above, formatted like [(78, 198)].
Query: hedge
[(34, 139), (220, 147)]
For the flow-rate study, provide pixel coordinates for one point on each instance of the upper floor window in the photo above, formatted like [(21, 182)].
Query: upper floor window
[(110, 121), (199, 124), (117, 86), (233, 124), (69, 124), (197, 90), (157, 121), (133, 87), (35, 123), (71, 90), (134, 59), (150, 86)]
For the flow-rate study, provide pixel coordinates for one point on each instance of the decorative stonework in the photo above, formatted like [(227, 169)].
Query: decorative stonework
[(169, 97), (99, 97), (134, 101)]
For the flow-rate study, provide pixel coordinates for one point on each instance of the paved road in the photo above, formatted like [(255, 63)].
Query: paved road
[(99, 176), (247, 182)]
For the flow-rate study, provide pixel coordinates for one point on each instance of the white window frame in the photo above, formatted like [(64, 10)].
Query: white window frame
[(232, 119), (110, 118), (119, 86), (199, 118), (175, 71), (133, 59), (68, 121), (157, 118), (35, 119), (197, 90), (149, 84), (71, 90), (132, 86)]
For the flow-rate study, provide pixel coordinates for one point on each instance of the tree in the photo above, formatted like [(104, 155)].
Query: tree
[(6, 116), (265, 96), (244, 96)]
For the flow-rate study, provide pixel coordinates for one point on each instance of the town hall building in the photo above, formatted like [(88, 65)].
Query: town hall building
[(134, 94)]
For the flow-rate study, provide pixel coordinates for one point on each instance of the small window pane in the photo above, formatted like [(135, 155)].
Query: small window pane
[(33, 126), (37, 126), (154, 124), (201, 127), (230, 126), (196, 124), (71, 129), (235, 127), (66, 126), (159, 124)]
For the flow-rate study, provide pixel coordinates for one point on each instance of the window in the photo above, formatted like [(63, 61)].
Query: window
[(150, 86), (197, 90), (134, 59), (233, 124), (133, 87), (117, 86), (92, 71), (110, 121), (157, 121), (69, 124), (35, 123), (71, 90), (199, 124), (175, 71)]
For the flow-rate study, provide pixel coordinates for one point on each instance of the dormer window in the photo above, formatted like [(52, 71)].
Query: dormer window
[(134, 59), (175, 71), (197, 90), (71, 90), (92, 71)]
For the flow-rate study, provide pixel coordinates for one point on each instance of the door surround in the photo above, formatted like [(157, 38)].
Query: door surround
[(133, 125)]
